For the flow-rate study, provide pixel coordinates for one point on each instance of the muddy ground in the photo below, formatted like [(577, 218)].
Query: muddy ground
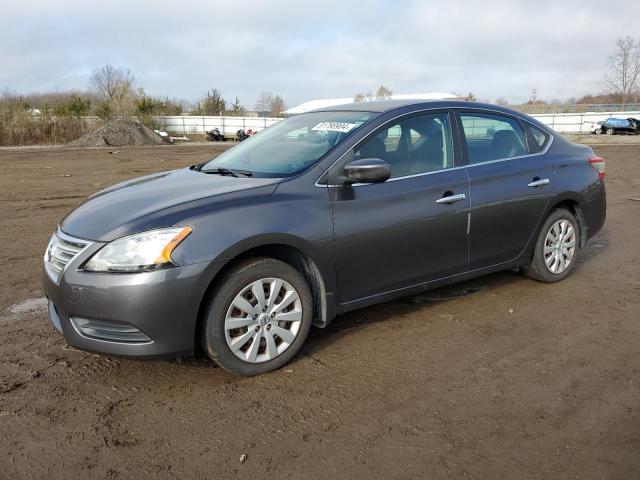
[(500, 377)]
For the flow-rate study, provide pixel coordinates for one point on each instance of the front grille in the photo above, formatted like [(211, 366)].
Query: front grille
[(62, 249), (109, 331)]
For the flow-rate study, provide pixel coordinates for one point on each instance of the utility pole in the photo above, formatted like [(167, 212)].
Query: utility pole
[(534, 95)]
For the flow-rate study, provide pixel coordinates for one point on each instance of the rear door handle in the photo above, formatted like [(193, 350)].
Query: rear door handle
[(451, 199), (539, 183)]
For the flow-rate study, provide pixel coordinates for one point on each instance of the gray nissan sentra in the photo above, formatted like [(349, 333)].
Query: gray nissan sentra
[(317, 215)]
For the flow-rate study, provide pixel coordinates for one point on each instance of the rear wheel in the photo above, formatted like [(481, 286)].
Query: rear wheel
[(258, 317), (556, 249), (611, 131)]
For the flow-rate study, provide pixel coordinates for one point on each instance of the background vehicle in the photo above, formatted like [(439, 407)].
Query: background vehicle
[(215, 135), (320, 214), (617, 126), (596, 127), (241, 135)]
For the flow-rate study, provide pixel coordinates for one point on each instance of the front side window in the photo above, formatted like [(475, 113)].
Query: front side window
[(412, 146), (290, 146), (492, 137)]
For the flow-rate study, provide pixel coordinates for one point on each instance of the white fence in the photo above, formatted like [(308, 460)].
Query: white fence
[(579, 122), (227, 125), (560, 122)]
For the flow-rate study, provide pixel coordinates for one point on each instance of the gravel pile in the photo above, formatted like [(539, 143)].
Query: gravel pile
[(119, 133)]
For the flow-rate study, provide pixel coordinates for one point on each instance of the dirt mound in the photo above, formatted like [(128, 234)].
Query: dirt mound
[(118, 133)]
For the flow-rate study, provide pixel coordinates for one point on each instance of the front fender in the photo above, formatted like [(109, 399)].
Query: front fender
[(286, 217)]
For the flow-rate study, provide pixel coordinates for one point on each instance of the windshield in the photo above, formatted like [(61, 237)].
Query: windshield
[(291, 145)]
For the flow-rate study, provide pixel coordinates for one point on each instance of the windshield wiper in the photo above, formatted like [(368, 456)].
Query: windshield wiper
[(228, 171)]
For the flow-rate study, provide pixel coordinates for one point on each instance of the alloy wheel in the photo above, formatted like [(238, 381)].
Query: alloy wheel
[(263, 320), (559, 246)]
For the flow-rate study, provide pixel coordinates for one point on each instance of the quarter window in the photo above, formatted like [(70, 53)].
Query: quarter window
[(416, 145), (539, 137), (492, 137)]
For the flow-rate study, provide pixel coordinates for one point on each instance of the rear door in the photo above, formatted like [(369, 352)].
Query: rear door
[(411, 228), (511, 183)]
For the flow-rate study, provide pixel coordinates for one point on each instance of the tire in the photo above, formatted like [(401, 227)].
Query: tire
[(611, 131), (538, 268), (598, 131), (255, 324)]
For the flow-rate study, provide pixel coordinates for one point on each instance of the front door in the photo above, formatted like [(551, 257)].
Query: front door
[(413, 227)]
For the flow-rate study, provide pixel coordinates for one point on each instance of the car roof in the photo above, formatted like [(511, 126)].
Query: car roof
[(409, 106), (380, 106)]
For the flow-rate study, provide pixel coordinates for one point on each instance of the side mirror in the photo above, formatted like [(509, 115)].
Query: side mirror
[(367, 170)]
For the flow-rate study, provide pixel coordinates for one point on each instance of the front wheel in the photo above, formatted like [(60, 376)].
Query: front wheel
[(258, 317), (556, 249), (611, 131)]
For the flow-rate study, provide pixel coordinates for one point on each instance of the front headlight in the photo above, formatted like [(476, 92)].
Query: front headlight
[(140, 252)]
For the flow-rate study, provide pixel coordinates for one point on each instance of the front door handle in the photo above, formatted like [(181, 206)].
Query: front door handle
[(539, 183), (448, 200)]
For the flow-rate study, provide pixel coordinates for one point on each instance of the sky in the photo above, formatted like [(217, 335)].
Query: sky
[(306, 50)]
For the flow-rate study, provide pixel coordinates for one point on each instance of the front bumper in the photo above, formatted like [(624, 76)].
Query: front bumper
[(162, 304)]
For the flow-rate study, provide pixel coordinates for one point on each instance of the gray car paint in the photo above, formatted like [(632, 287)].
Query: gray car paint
[(362, 244)]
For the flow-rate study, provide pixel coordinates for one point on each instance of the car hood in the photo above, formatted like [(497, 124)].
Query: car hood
[(156, 201)]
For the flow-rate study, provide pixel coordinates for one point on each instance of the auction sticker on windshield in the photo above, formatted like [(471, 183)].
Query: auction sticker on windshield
[(335, 127)]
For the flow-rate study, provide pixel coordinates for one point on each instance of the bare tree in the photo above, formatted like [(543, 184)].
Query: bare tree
[(272, 104), (363, 97), (263, 103), (277, 106), (112, 84), (624, 68), (383, 93)]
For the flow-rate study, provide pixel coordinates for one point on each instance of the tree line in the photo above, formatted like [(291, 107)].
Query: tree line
[(59, 117), (213, 103), (113, 92)]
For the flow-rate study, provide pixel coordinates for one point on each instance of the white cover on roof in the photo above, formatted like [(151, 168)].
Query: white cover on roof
[(332, 102)]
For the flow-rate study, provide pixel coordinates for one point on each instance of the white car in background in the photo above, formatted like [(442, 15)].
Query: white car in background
[(596, 127)]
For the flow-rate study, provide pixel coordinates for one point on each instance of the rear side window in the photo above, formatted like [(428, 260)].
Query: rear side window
[(492, 137), (538, 139)]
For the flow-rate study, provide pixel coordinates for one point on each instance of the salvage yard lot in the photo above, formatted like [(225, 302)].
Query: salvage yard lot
[(499, 377)]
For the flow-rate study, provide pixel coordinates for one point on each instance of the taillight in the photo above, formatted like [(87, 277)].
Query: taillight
[(598, 164)]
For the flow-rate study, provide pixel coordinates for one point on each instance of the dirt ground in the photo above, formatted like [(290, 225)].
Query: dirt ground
[(499, 377), (591, 139)]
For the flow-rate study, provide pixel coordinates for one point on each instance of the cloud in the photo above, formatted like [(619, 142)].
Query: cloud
[(307, 50)]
